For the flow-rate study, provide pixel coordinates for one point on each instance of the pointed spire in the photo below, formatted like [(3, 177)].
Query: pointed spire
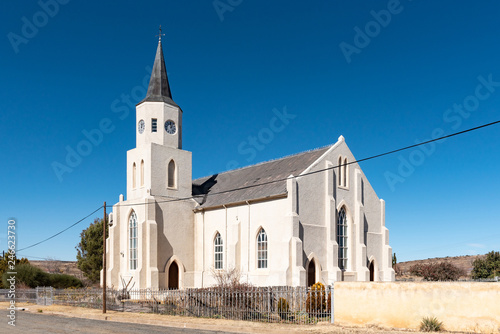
[(159, 89)]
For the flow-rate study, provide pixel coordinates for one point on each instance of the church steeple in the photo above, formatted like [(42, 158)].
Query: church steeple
[(159, 88)]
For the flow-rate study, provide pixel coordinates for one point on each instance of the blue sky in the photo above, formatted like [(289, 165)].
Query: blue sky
[(384, 74)]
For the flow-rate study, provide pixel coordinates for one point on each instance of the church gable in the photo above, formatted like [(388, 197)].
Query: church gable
[(218, 186)]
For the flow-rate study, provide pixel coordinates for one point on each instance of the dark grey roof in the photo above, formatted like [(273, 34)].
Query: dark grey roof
[(159, 89), (273, 170)]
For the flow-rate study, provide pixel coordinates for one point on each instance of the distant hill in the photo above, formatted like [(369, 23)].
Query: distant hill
[(59, 267), (462, 262)]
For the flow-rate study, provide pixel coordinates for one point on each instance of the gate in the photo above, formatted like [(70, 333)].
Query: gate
[(44, 295)]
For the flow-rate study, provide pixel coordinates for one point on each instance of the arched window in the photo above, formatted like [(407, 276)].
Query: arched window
[(218, 252), (142, 173), (342, 239), (171, 175), (262, 249), (340, 171), (134, 172), (132, 236), (345, 172)]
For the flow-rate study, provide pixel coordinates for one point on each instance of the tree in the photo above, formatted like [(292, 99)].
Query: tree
[(487, 267), (395, 265), (89, 256), (4, 265)]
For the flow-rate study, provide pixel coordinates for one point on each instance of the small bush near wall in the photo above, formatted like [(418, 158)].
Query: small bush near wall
[(283, 308), (431, 324), (443, 271), (316, 302)]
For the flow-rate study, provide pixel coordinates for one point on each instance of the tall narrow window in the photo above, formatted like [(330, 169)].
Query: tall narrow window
[(340, 171), (342, 239), (134, 175), (218, 252), (262, 249), (171, 175), (345, 172), (154, 125), (142, 173), (132, 236)]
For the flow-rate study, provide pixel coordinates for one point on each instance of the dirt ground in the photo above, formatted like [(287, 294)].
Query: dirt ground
[(200, 323)]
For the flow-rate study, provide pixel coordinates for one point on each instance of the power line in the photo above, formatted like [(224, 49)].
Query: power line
[(320, 170), (39, 258), (67, 228), (273, 181)]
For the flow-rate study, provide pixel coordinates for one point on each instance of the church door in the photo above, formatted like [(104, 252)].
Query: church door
[(372, 272), (311, 274), (173, 276)]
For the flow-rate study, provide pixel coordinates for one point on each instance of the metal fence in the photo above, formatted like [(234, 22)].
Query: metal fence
[(21, 295), (44, 295), (299, 305)]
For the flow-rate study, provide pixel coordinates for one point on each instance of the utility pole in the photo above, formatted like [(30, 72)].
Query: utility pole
[(104, 261)]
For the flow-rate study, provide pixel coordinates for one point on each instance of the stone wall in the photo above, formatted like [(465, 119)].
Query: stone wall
[(461, 306)]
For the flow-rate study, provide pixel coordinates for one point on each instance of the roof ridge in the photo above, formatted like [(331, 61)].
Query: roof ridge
[(267, 161)]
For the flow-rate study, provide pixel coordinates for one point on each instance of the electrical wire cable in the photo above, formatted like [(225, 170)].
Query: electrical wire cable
[(317, 171), (67, 228), (273, 181)]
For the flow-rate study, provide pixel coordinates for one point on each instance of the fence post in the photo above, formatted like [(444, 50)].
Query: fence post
[(332, 317)]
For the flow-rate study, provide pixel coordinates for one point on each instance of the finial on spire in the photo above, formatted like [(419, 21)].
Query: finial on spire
[(160, 34)]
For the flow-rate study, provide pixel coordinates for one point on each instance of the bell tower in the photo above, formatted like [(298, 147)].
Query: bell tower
[(158, 165)]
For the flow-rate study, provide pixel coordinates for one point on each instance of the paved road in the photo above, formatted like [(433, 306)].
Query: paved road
[(33, 323)]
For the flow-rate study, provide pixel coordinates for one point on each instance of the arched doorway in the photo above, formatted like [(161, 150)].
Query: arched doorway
[(173, 276), (372, 271), (311, 273)]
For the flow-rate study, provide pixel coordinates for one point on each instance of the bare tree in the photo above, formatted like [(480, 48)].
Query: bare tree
[(227, 278)]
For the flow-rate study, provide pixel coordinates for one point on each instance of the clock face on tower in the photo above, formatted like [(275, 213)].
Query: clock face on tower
[(170, 127), (141, 126)]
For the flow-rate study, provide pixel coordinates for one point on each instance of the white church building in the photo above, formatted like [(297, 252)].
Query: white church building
[(306, 218)]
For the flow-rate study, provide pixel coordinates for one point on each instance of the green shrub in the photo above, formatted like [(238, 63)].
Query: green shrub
[(28, 275), (63, 281), (316, 299), (32, 277), (431, 324), (283, 307), (489, 267), (4, 265)]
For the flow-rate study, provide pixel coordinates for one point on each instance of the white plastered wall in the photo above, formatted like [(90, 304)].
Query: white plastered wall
[(238, 226)]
